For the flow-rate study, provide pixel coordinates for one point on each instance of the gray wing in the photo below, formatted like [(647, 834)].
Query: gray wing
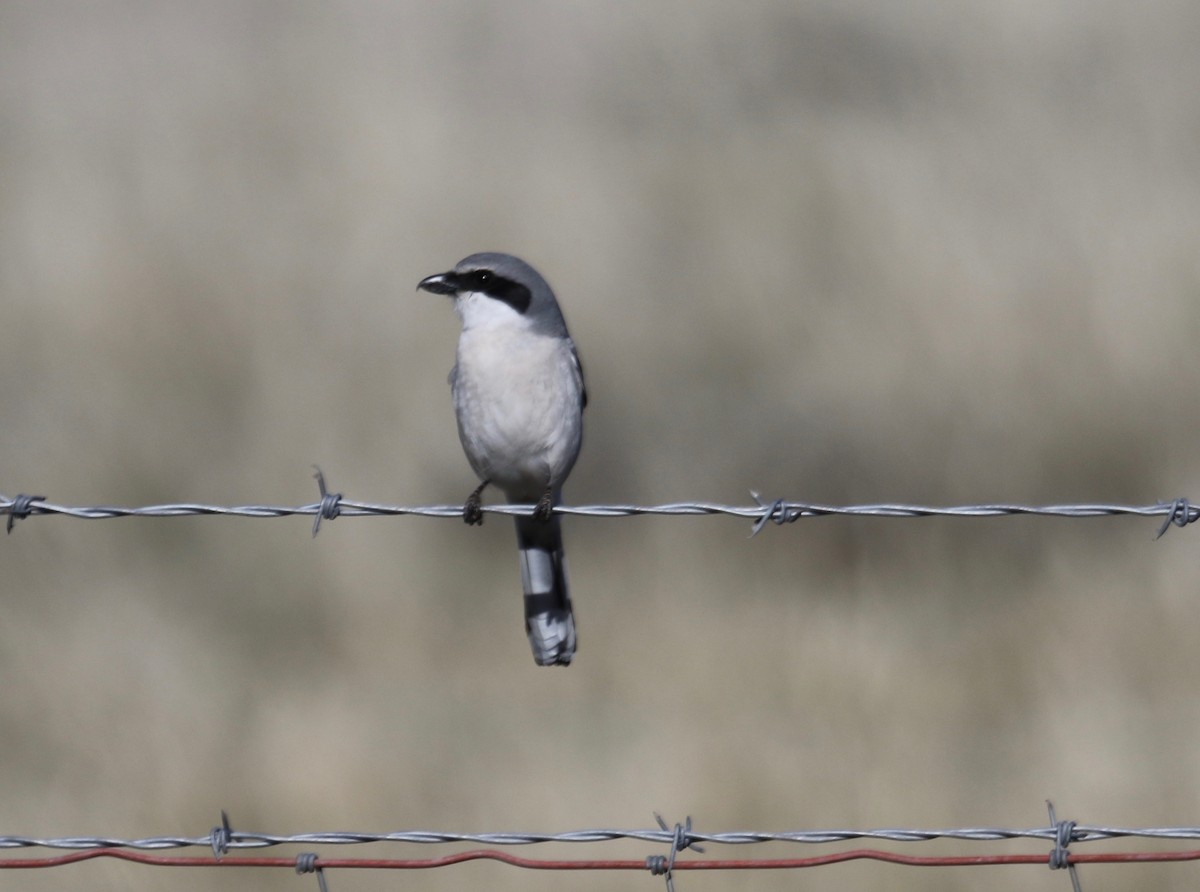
[(578, 367)]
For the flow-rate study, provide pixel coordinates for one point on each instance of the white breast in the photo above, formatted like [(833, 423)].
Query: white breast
[(517, 396)]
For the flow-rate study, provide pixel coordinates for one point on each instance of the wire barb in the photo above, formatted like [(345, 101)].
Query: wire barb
[(221, 836), (1181, 514), (1064, 834), (330, 506), (778, 507), (306, 862), (663, 865), (19, 509)]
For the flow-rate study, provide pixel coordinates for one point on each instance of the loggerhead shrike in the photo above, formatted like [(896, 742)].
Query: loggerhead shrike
[(518, 394)]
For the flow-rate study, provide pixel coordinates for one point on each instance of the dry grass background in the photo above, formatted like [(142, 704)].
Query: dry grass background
[(939, 252)]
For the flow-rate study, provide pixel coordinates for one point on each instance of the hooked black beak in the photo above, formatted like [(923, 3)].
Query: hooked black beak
[(442, 283)]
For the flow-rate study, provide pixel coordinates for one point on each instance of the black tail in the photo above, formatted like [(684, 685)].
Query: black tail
[(548, 619)]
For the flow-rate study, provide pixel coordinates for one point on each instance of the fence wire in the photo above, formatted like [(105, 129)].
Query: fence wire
[(1179, 512), (223, 839)]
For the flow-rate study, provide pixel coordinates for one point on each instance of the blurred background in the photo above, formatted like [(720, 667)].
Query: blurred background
[(938, 252)]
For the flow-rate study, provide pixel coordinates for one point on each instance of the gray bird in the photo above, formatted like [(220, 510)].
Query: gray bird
[(519, 396)]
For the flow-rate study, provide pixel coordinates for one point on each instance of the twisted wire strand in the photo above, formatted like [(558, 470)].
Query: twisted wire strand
[(1179, 512), (239, 839)]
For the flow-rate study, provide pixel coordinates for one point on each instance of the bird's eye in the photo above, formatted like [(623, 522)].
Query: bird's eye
[(481, 277)]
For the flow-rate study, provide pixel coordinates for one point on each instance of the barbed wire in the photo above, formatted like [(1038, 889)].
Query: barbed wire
[(1179, 512), (223, 838), (229, 839)]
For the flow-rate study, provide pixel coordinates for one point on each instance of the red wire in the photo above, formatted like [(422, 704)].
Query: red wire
[(611, 864)]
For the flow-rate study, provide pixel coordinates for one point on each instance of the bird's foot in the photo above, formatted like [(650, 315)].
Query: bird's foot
[(544, 507), (472, 513)]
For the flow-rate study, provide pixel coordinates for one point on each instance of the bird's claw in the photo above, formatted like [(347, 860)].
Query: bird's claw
[(472, 512), (544, 507)]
